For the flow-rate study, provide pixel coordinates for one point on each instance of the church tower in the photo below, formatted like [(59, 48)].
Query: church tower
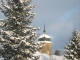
[(46, 41)]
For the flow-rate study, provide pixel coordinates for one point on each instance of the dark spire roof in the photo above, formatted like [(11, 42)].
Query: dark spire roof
[(44, 31), (44, 36)]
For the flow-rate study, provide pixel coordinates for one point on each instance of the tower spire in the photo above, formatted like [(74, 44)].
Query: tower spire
[(44, 31)]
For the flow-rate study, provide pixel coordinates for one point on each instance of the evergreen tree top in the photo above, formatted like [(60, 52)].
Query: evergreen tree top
[(16, 35), (72, 50)]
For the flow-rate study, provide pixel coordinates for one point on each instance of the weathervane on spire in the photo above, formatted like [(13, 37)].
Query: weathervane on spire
[(44, 31)]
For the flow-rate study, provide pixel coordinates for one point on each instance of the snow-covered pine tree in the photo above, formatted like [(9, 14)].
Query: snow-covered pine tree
[(72, 50), (16, 35)]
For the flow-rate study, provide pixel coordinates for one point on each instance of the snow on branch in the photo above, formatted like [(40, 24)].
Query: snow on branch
[(2, 22)]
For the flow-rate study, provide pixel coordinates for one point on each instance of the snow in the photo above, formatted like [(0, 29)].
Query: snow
[(22, 1), (44, 35), (44, 41), (23, 42), (44, 56), (47, 57), (55, 57), (6, 6)]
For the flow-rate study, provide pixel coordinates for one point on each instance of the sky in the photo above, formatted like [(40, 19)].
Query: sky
[(61, 18)]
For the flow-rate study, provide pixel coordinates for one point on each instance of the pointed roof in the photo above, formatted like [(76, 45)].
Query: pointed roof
[(44, 31), (44, 36)]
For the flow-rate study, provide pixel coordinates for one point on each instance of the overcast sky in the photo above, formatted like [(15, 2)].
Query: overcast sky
[(61, 18)]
